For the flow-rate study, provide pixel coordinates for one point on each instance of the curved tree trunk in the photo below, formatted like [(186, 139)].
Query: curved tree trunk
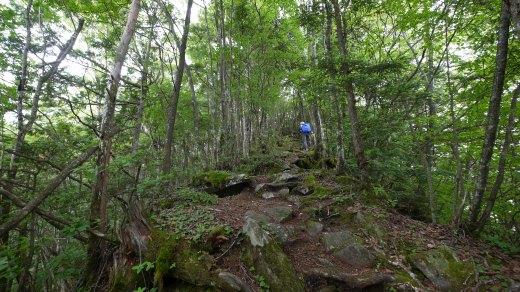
[(96, 249)]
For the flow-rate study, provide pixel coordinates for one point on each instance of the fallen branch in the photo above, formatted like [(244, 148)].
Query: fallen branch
[(54, 183)]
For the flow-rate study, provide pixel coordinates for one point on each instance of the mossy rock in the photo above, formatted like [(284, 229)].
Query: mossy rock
[(216, 179), (304, 162), (221, 183), (443, 269), (182, 261), (266, 257)]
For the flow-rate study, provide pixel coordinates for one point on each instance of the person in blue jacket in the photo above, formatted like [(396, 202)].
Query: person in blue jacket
[(305, 130)]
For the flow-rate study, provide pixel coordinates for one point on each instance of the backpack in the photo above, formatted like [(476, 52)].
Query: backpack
[(305, 128)]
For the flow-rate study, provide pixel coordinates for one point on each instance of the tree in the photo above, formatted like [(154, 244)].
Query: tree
[(493, 117), (98, 208)]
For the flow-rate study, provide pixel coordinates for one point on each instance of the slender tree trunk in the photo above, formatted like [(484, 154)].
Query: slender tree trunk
[(457, 188), (98, 208), (514, 10), (493, 117), (172, 111), (194, 103), (501, 164), (359, 150)]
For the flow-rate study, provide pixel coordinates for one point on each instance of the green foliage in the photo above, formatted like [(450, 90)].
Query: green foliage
[(188, 214), (146, 266)]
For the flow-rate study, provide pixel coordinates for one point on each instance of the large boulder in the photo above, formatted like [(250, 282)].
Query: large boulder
[(333, 241), (442, 268), (356, 255), (221, 183), (284, 234), (347, 247), (233, 283), (261, 252), (279, 214)]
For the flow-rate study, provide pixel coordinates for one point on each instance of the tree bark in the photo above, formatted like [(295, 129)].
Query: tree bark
[(514, 10), (172, 111), (493, 116), (359, 150), (98, 205), (501, 164)]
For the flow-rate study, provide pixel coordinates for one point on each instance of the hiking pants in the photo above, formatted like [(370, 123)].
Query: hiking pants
[(305, 137)]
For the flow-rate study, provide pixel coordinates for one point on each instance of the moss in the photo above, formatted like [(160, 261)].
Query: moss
[(162, 252), (123, 279), (270, 262), (166, 203), (182, 260), (309, 181), (304, 162), (450, 273), (216, 179), (194, 266)]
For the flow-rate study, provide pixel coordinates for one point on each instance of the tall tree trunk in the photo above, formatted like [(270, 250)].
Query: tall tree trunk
[(501, 164), (98, 206), (429, 143), (194, 103), (514, 10), (172, 111), (457, 183), (493, 116), (359, 151)]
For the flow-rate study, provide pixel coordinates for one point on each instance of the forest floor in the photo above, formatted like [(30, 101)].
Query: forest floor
[(396, 235)]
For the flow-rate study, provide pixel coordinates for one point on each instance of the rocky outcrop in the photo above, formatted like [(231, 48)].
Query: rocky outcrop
[(261, 252), (347, 248), (221, 183), (330, 277), (443, 269)]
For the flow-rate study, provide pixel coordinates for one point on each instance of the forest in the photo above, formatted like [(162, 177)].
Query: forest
[(114, 113)]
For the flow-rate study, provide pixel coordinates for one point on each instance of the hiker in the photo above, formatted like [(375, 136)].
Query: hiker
[(305, 129)]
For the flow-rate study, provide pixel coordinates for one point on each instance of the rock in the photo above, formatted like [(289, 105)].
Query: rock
[(260, 187), (443, 269), (264, 254), (336, 240), (221, 183), (314, 228), (302, 191), (257, 236), (279, 213), (356, 256), (296, 200), (284, 234), (277, 194), (261, 218), (514, 286), (233, 283), (286, 177), (346, 282), (272, 190), (369, 224), (303, 162)]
